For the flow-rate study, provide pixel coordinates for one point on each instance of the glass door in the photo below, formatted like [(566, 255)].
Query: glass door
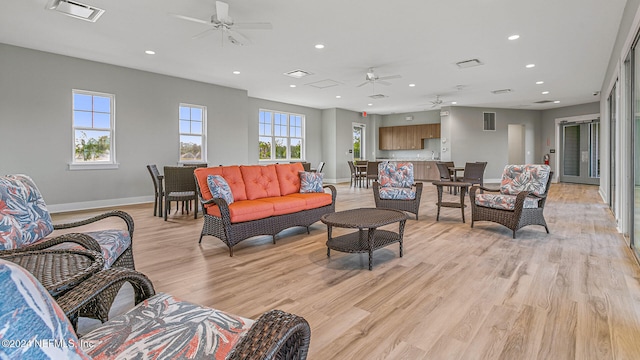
[(580, 158), (358, 142)]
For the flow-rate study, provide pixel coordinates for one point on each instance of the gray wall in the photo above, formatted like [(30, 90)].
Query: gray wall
[(467, 141)]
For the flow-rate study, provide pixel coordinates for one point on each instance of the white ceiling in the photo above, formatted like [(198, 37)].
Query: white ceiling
[(569, 41)]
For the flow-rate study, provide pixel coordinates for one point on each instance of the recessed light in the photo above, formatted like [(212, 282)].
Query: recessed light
[(557, 102), (412, 85), (236, 72), (454, 102), (539, 82), (292, 86), (529, 66), (545, 92), (370, 104), (319, 46), (150, 52), (338, 96), (514, 37)]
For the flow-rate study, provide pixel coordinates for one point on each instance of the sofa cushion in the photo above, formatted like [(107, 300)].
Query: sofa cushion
[(311, 182), (24, 218), (285, 204), (517, 178), (395, 174), (260, 181), (112, 243), (504, 202), (219, 188), (313, 200), (397, 193), (245, 210), (163, 327), (231, 174), (28, 313), (288, 178)]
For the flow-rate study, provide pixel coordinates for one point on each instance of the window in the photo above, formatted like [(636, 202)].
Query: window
[(280, 136), (93, 129), (192, 120)]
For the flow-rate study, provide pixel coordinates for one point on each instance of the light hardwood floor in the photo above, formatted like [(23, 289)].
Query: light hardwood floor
[(458, 292)]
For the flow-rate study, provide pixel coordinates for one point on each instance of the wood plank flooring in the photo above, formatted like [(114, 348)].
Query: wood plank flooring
[(458, 292)]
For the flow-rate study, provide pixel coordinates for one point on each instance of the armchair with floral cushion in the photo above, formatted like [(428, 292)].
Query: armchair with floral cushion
[(34, 326), (396, 189), (518, 202)]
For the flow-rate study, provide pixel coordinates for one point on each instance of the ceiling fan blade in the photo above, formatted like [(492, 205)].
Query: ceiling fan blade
[(188, 18), (236, 38), (203, 34), (383, 82), (390, 77), (253, 26), (363, 84), (222, 11)]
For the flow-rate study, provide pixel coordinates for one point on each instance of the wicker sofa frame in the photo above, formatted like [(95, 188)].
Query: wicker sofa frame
[(275, 334), (512, 219), (233, 233)]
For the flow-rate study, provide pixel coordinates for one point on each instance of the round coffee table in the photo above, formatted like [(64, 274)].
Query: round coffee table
[(368, 238)]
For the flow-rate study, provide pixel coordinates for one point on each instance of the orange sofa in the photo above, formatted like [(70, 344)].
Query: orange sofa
[(266, 200)]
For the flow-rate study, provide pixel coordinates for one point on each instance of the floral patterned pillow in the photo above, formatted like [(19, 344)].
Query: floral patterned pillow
[(220, 188), (311, 182)]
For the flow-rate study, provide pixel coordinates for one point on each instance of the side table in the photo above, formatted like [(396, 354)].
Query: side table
[(368, 238), (463, 186)]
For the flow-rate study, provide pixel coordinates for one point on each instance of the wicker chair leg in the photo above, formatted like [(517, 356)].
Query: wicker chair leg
[(230, 251), (274, 238), (514, 233), (200, 241)]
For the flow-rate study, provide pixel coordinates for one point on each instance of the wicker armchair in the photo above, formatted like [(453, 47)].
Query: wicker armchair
[(395, 188), (161, 326), (519, 201), (29, 225), (179, 185)]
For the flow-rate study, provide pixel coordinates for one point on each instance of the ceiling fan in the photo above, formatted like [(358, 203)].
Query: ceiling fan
[(373, 78), (225, 23), (436, 102)]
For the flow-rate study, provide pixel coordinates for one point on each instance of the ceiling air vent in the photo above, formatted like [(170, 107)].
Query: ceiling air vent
[(298, 74), (75, 9), (501, 91), (543, 101), (378, 96), (468, 63), (323, 84)]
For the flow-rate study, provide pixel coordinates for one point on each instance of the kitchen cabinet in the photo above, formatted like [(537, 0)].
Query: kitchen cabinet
[(406, 137), (425, 170)]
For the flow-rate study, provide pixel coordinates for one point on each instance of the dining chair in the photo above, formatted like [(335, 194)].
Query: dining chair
[(319, 168), (354, 173), (372, 171), (179, 185), (474, 173), (158, 189)]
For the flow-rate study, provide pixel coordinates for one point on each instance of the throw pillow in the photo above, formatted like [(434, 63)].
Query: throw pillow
[(311, 182), (220, 188)]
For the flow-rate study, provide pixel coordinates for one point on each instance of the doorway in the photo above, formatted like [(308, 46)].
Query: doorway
[(359, 150), (579, 152), (516, 141)]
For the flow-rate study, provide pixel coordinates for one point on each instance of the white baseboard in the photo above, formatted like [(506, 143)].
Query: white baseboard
[(87, 205)]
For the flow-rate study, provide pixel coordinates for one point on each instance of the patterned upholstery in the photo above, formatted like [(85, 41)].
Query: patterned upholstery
[(395, 174), (163, 327), (24, 218), (504, 202), (397, 193), (220, 188), (31, 321), (311, 182), (517, 178)]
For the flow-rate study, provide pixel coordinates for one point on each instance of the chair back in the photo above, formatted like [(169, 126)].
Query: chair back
[(352, 167), (531, 177), (395, 174), (155, 176), (474, 172), (443, 169), (24, 217), (179, 179), (30, 313), (372, 168), (320, 167)]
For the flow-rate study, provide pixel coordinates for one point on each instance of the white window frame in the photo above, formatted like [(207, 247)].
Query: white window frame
[(288, 136), (94, 165), (203, 135)]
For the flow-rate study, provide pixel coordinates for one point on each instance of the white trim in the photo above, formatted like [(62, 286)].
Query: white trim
[(93, 166), (203, 135), (363, 141), (86, 205), (570, 119), (631, 36), (112, 128)]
